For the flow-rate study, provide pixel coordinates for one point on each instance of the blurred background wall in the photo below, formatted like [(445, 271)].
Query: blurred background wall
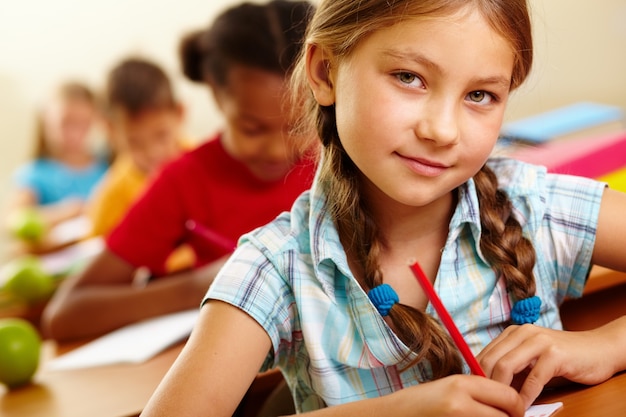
[(580, 55)]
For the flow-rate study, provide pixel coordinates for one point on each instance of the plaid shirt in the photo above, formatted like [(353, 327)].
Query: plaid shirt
[(333, 347)]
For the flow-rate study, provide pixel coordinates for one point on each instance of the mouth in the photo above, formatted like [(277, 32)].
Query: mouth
[(425, 167)]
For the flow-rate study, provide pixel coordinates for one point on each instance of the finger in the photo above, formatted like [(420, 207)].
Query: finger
[(517, 360), (544, 370), (508, 335), (498, 354), (499, 398), (497, 340)]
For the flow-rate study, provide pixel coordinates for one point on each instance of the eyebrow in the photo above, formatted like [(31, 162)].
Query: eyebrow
[(433, 66)]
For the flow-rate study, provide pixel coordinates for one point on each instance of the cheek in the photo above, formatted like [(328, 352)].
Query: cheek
[(480, 136), (356, 120)]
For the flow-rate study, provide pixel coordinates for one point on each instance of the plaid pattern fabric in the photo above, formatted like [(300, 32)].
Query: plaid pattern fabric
[(333, 347)]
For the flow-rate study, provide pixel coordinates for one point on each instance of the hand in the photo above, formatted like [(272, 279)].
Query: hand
[(542, 354), (462, 395)]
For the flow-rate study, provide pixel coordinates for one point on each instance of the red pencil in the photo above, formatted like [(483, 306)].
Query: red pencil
[(210, 235), (446, 319)]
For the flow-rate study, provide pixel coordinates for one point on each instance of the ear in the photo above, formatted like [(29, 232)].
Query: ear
[(319, 75)]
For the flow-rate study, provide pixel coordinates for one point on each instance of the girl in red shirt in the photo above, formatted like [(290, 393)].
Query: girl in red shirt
[(241, 179)]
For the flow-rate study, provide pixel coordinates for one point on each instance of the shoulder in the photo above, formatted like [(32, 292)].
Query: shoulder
[(121, 175), (520, 179), (211, 147), (288, 232), (101, 164), (202, 157), (537, 194), (37, 168), (517, 176)]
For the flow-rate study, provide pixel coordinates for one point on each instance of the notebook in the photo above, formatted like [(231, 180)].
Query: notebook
[(586, 118), (542, 410), (131, 344)]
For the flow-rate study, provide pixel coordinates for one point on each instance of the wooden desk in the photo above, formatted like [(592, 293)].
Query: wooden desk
[(602, 301), (123, 390), (604, 400), (602, 278), (107, 391)]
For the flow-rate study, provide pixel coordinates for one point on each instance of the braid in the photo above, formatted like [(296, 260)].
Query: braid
[(508, 252), (359, 233)]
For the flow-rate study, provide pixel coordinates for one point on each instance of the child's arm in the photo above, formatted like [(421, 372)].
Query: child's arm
[(227, 348), (52, 214), (587, 357), (105, 296), (610, 247)]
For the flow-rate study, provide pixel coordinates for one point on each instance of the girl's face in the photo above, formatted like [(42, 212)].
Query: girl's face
[(419, 105), (67, 124), (152, 138), (257, 125)]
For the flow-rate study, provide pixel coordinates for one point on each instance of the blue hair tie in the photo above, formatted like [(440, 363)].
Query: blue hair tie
[(526, 310), (383, 297)]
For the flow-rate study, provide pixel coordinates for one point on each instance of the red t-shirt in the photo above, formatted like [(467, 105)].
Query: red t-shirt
[(208, 186)]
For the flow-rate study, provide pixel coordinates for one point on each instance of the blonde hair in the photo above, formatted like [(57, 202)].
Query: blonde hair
[(338, 27), (68, 91)]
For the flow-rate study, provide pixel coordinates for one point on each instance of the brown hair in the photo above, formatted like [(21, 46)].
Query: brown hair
[(135, 85), (68, 91), (338, 26), (267, 37)]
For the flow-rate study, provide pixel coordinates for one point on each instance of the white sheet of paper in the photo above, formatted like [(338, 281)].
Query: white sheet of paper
[(542, 410), (61, 261), (70, 230), (134, 343)]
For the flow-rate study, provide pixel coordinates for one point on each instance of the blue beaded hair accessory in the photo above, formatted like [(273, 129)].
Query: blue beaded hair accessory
[(526, 310), (383, 297)]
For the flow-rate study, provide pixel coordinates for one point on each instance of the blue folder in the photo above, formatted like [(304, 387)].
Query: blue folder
[(562, 121)]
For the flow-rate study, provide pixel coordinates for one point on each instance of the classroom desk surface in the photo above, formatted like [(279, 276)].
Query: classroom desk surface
[(123, 390), (108, 391), (602, 400), (602, 278)]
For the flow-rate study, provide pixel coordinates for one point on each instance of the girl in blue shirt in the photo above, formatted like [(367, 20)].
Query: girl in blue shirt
[(408, 98), (65, 169)]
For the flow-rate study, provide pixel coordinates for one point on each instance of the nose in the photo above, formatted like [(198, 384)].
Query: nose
[(439, 122)]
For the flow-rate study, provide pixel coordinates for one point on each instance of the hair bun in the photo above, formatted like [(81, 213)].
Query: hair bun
[(192, 56)]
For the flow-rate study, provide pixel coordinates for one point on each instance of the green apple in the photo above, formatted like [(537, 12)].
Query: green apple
[(25, 278), (20, 346), (27, 224)]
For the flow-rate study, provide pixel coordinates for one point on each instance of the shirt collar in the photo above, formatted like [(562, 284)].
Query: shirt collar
[(466, 214), (328, 252), (326, 248)]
